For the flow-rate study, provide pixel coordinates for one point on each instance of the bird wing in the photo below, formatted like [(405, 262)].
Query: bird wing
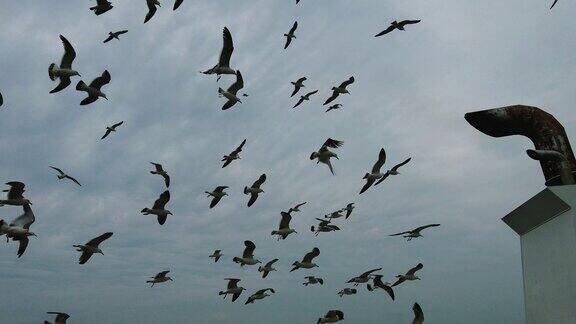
[(162, 200), (101, 80), (381, 160), (293, 29), (1, 100), (88, 100), (16, 189), (302, 79), (418, 229), (402, 233), (120, 32), (76, 181), (332, 143), (335, 95), (110, 37), (288, 41), (367, 185), (367, 273), (23, 245), (166, 179), (26, 219), (215, 201), (346, 83), (97, 240), (151, 10), (228, 104), (389, 290), (409, 22), (249, 249), (64, 82), (177, 4), (239, 148), (253, 198), (161, 274), (413, 270), (385, 31), (69, 54), (117, 124), (85, 257), (309, 94), (335, 313), (311, 255), (386, 175), (269, 264), (158, 167), (220, 188), (228, 161), (296, 89), (239, 84), (236, 295), (300, 205), (106, 134), (261, 291), (399, 281), (285, 221), (397, 166), (418, 314), (232, 283), (227, 48), (60, 317), (259, 182), (60, 171), (553, 4), (299, 102)]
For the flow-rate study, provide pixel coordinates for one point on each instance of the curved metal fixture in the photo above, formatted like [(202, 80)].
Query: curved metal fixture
[(540, 127)]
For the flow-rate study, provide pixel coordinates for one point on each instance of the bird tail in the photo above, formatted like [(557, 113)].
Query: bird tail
[(220, 293), (369, 287), (220, 91), (237, 260), (366, 175), (51, 71), (313, 156), (245, 190), (81, 85), (145, 210), (321, 281), (208, 193), (312, 228), (274, 232)]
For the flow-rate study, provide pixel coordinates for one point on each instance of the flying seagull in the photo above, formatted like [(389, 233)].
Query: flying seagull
[(217, 194), (290, 35), (334, 215), (230, 94), (349, 208), (393, 171), (375, 174), (363, 278), (296, 208), (158, 208), (297, 85), (235, 155), (112, 35), (410, 275), (305, 97), (397, 25), (324, 154), (306, 262), (223, 66), (284, 228), (324, 226), (159, 278), (160, 171), (377, 281), (415, 233), (247, 255), (332, 316), (19, 229), (255, 189), (151, 9), (101, 7), (177, 4), (60, 318), (64, 71), (341, 89), (260, 294), (14, 197), (93, 90), (216, 255), (63, 175), (267, 268), (333, 107), (91, 247), (418, 314), (347, 292), (311, 280), (232, 289), (111, 129)]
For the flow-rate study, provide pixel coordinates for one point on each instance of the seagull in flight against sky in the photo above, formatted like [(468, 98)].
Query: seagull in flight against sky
[(375, 174), (324, 226), (333, 107), (284, 228), (158, 208), (260, 294), (64, 71), (347, 292), (393, 171), (297, 85), (267, 268), (332, 316), (232, 289), (334, 215), (231, 93), (112, 35), (324, 154), (93, 90), (101, 7), (235, 155), (363, 278), (247, 255), (160, 171), (306, 262), (159, 278), (19, 229), (378, 284), (151, 9), (290, 35), (349, 208), (415, 233), (255, 190), (216, 255), (111, 129), (63, 175), (223, 65), (296, 208), (217, 194), (418, 314), (311, 280), (410, 275), (305, 97), (397, 25), (91, 247), (61, 318), (15, 195), (341, 89)]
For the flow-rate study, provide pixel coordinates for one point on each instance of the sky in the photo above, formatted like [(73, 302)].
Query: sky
[(411, 92)]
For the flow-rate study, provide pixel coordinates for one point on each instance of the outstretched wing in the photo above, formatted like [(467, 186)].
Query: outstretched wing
[(249, 249), (232, 283), (367, 273), (335, 95), (161, 274), (293, 29), (260, 181), (227, 48), (418, 314), (418, 229), (16, 189), (151, 10), (110, 37), (97, 240), (162, 201), (23, 245), (106, 134), (59, 171), (117, 124), (215, 201), (412, 271), (69, 54), (239, 84), (385, 31), (409, 22), (177, 4), (386, 175), (397, 166), (101, 80), (311, 255), (335, 314), (346, 83), (381, 160), (285, 221), (26, 219), (401, 233), (269, 264), (75, 181), (158, 167), (299, 102), (239, 148), (64, 82), (367, 185)]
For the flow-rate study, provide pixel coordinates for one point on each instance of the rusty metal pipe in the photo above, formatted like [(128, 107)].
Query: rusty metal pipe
[(539, 126)]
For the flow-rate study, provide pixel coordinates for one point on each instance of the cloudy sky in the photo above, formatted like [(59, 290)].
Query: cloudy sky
[(411, 92)]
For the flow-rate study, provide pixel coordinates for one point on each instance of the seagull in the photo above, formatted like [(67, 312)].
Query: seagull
[(290, 35), (375, 174), (111, 129), (260, 294), (223, 66), (284, 228), (112, 35), (304, 97), (255, 189), (313, 280), (232, 289), (324, 226), (101, 7), (93, 89), (335, 106), (160, 171), (397, 25), (341, 89), (349, 208), (64, 71), (63, 175), (296, 208), (267, 268), (159, 278), (60, 318), (334, 215), (92, 247), (377, 280), (306, 262), (418, 314), (216, 255), (151, 9), (297, 85), (177, 4), (158, 208), (235, 155), (393, 171), (415, 233), (332, 316), (14, 197), (247, 255), (410, 275), (217, 194), (347, 291), (19, 229), (324, 154), (230, 94), (363, 278)]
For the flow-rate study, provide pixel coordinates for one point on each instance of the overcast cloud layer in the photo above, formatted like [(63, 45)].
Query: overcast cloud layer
[(411, 92)]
